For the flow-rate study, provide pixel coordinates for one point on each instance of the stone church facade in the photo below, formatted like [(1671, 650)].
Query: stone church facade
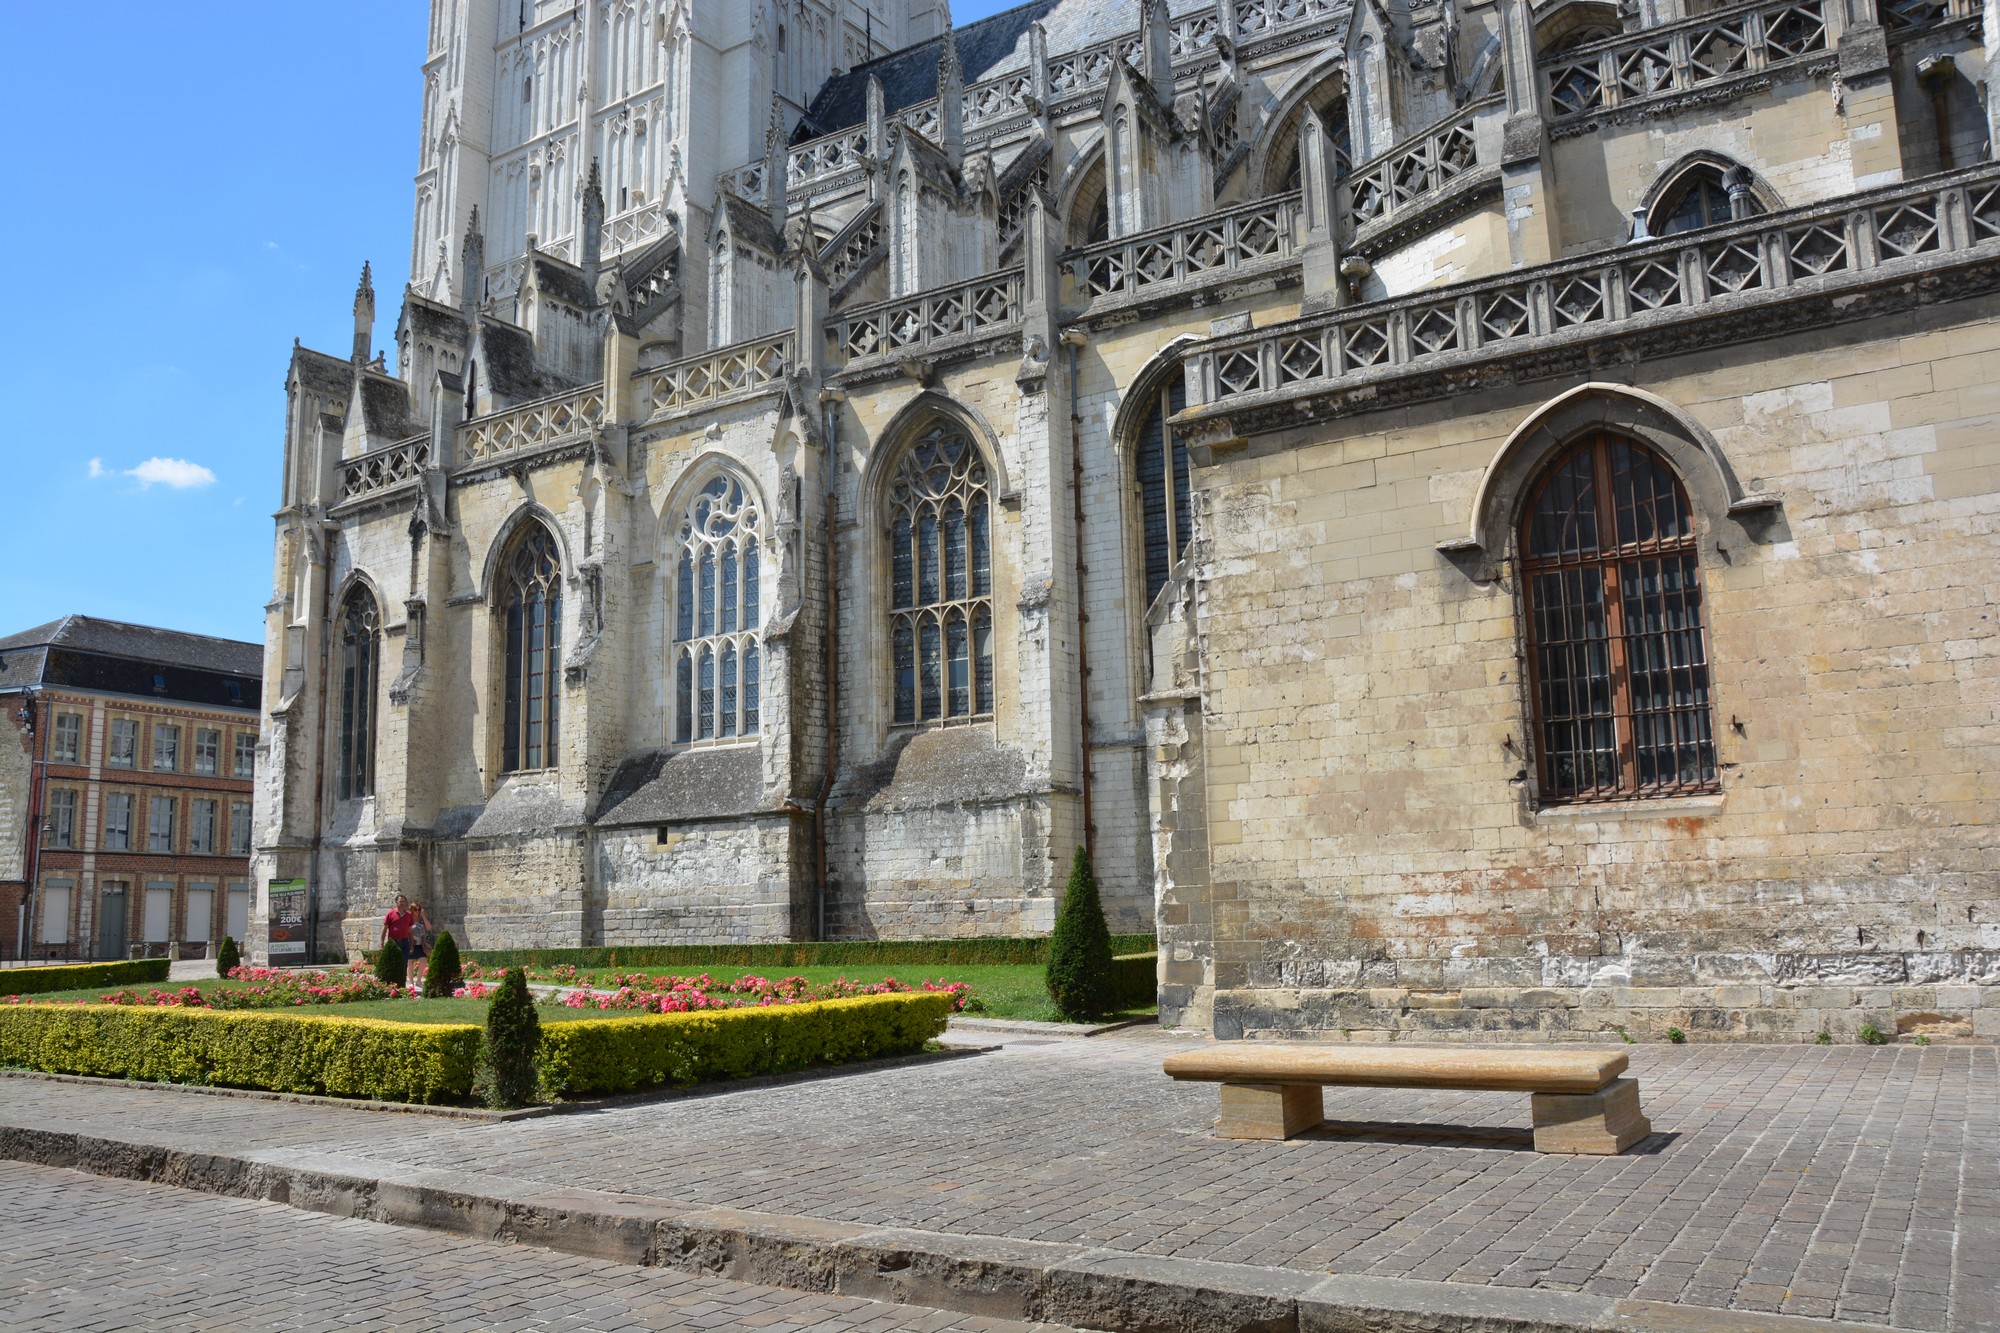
[(1482, 516)]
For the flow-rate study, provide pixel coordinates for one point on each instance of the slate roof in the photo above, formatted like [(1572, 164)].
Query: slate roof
[(143, 643), (317, 370), (113, 657), (385, 404)]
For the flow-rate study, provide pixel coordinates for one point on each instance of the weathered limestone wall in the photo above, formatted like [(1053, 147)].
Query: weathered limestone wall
[(1380, 864)]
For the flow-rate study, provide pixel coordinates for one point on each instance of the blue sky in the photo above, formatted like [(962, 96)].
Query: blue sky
[(208, 196)]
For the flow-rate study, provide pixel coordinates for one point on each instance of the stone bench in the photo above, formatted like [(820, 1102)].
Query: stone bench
[(1273, 1091)]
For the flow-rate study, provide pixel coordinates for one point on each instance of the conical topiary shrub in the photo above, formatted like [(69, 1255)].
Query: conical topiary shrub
[(444, 975), (390, 964), (506, 1076), (228, 958), (1079, 968)]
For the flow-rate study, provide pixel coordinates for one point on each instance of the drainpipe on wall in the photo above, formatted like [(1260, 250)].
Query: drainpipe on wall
[(1073, 339)]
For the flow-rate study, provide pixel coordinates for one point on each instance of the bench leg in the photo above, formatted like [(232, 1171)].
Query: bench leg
[(1268, 1110), (1605, 1122)]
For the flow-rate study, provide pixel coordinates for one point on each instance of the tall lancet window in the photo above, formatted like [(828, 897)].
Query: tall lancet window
[(941, 580), (1161, 465), (531, 615), (360, 640), (1617, 645), (718, 664)]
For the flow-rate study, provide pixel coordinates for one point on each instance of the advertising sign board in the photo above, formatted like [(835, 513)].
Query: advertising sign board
[(288, 921)]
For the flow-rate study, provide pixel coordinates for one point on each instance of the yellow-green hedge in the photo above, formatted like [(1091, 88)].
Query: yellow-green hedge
[(284, 1052), (76, 976), (597, 1056)]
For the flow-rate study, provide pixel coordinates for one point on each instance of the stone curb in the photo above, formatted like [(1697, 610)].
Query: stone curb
[(1030, 1026), (613, 1102), (980, 1275)]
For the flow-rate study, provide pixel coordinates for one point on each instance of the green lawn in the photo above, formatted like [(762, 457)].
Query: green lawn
[(1003, 991)]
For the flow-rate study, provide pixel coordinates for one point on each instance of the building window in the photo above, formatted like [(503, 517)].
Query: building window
[(940, 580), (246, 754), (1617, 653), (118, 822), (166, 747), (207, 751), (203, 816), (160, 824), (718, 665), (1162, 467), (124, 743), (239, 828), (61, 823), (360, 651), (531, 608), (1697, 200), (68, 738)]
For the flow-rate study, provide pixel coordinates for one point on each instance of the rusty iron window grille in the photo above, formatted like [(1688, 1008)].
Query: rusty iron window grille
[(1617, 641)]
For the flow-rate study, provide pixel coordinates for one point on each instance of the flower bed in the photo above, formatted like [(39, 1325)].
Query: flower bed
[(262, 988), (681, 995)]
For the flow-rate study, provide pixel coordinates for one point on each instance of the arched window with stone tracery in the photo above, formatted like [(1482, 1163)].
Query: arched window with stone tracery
[(531, 624), (1160, 470), (941, 579), (717, 661), (360, 641), (1618, 663)]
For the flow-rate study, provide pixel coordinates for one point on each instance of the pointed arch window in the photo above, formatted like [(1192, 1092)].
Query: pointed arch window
[(1699, 198), (941, 580), (1617, 640), (531, 617), (1161, 466), (718, 602), (360, 633)]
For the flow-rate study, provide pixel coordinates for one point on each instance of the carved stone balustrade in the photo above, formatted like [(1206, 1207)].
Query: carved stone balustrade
[(385, 469), (546, 421), (727, 374), (1251, 240), (1735, 44), (956, 318), (1427, 166), (1795, 269)]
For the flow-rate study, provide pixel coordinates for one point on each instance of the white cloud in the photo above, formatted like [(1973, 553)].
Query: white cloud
[(175, 472), (97, 468)]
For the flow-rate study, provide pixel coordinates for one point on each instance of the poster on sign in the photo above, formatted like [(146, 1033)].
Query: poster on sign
[(288, 921)]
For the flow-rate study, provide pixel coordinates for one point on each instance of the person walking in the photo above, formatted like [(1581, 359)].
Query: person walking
[(422, 936), (397, 923)]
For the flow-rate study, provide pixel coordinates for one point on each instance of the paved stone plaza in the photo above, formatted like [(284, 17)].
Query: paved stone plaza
[(1843, 1182), (80, 1252)]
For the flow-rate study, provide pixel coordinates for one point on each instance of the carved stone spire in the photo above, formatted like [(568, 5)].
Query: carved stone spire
[(471, 268), (592, 247), (777, 164), (951, 101), (1156, 50), (364, 316)]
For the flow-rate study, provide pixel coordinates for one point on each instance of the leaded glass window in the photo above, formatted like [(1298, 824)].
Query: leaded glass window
[(1698, 200), (1161, 464), (1618, 653), (717, 660), (941, 580), (360, 654), (531, 612)]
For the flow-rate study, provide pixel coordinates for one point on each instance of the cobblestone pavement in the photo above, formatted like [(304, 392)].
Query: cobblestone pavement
[(1852, 1182), (79, 1252)]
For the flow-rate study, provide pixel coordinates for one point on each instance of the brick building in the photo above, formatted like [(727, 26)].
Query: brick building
[(1483, 514), (126, 766)]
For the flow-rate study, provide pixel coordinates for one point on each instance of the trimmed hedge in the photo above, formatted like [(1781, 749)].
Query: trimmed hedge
[(340, 1057), (1135, 980), (598, 1056), (837, 953), (436, 1062), (77, 976)]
